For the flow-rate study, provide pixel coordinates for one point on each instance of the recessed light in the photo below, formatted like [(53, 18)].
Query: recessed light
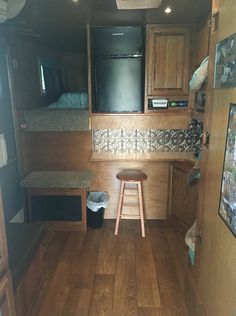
[(75, 0), (167, 10)]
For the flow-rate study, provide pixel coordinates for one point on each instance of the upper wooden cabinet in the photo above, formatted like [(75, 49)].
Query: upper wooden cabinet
[(168, 51)]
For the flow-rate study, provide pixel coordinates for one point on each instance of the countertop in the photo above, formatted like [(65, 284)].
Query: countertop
[(155, 156), (57, 179)]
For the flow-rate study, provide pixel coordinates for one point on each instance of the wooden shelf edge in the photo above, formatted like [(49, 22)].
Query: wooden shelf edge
[(159, 156), (148, 113)]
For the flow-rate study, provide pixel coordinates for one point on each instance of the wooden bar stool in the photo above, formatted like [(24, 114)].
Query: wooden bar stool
[(131, 188)]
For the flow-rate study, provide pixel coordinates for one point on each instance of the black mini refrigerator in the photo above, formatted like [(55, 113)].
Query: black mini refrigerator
[(118, 69)]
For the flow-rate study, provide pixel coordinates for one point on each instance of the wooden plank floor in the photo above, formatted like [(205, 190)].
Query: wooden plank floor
[(99, 274)]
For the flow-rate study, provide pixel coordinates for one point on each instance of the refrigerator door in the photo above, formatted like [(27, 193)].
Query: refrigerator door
[(118, 85), (119, 40)]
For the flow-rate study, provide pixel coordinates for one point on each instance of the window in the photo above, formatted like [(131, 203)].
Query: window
[(51, 85), (42, 80)]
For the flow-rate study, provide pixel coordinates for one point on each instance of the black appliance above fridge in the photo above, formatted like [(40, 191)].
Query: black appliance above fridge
[(117, 69)]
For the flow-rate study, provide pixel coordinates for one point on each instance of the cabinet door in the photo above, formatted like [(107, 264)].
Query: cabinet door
[(3, 243), (183, 197), (168, 60), (7, 307), (178, 193)]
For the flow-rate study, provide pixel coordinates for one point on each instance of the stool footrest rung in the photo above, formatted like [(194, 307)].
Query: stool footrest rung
[(129, 216), (130, 205)]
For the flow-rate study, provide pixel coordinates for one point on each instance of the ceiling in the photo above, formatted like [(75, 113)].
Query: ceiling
[(61, 20)]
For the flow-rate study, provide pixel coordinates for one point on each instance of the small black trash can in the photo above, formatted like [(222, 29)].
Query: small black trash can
[(96, 204), (95, 219)]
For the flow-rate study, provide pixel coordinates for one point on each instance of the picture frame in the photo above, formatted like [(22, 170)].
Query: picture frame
[(225, 63), (227, 205)]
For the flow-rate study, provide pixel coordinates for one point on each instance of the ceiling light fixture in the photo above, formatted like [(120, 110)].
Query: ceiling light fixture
[(138, 4), (167, 10)]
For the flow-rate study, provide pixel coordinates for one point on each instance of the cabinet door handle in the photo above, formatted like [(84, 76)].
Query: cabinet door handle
[(205, 138), (199, 236)]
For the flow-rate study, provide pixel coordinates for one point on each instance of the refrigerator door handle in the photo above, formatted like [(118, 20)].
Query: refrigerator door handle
[(136, 55)]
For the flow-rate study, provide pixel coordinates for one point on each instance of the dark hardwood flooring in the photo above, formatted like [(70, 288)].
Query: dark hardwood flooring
[(99, 274)]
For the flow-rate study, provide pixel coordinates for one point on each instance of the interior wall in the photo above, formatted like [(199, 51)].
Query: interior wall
[(24, 54), (165, 121), (74, 68), (9, 173), (217, 283), (201, 43)]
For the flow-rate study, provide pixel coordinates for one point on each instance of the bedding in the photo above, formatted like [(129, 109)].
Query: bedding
[(69, 113), (77, 100)]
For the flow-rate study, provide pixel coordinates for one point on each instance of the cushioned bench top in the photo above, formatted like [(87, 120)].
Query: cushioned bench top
[(45, 120), (57, 179), (23, 241)]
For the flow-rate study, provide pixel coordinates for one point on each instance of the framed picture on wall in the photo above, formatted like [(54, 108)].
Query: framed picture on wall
[(225, 63), (227, 208)]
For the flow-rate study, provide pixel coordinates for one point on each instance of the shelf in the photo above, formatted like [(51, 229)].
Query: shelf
[(172, 111), (148, 113)]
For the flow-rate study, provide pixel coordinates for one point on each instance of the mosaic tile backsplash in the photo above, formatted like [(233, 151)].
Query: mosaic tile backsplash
[(148, 140)]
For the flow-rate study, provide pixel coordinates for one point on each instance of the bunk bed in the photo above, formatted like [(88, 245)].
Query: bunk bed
[(69, 113)]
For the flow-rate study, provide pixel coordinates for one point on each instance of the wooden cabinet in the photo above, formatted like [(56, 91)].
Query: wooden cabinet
[(168, 51), (201, 46), (192, 298), (7, 306), (183, 196), (3, 242)]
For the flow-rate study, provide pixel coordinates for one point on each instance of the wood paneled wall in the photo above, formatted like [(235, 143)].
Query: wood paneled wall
[(72, 151), (25, 71), (201, 46), (74, 67), (217, 274), (159, 121)]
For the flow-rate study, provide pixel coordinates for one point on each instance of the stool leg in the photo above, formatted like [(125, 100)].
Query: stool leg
[(140, 193), (120, 204)]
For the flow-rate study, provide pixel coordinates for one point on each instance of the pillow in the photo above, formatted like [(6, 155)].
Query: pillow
[(199, 75), (76, 100)]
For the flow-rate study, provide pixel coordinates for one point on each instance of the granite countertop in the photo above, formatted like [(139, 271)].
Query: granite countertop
[(46, 120), (57, 179)]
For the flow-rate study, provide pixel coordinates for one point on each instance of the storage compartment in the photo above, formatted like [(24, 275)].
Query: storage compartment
[(183, 196), (56, 208), (168, 51)]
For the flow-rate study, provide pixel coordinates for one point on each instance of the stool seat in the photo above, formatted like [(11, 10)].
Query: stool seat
[(131, 180), (131, 175)]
